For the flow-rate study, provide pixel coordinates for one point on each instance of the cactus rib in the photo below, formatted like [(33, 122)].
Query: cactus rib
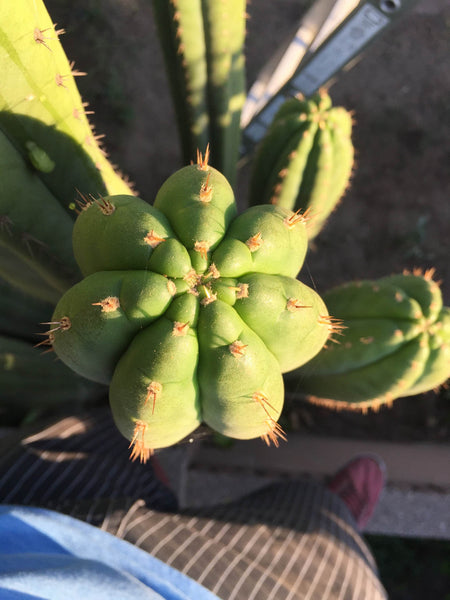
[(179, 347)]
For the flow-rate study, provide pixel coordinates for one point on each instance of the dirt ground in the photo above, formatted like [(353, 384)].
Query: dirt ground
[(396, 214)]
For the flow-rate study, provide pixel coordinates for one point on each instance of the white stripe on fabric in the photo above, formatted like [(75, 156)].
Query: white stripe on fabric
[(124, 523), (293, 560), (305, 506), (219, 555), (204, 547), (240, 556), (358, 577), (312, 554), (140, 540)]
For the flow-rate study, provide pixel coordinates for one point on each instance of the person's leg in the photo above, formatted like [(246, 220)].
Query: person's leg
[(294, 539), (78, 459)]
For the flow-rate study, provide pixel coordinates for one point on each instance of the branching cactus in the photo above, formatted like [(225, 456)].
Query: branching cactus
[(306, 159), (396, 342), (190, 312)]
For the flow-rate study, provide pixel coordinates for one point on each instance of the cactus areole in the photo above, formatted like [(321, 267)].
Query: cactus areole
[(190, 312)]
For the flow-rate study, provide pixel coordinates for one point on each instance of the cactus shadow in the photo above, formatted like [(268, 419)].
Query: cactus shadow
[(73, 168)]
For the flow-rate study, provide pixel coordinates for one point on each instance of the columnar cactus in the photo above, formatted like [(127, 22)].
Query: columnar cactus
[(32, 381), (48, 150), (190, 312), (306, 158), (396, 343), (203, 43)]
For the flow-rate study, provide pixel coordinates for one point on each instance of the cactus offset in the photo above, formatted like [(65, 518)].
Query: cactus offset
[(396, 343), (305, 160), (190, 312)]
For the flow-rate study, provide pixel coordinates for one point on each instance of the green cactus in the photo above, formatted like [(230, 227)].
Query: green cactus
[(190, 312), (305, 160), (48, 151), (202, 42), (396, 343), (34, 380)]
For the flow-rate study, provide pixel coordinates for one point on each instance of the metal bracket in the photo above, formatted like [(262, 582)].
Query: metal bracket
[(329, 39)]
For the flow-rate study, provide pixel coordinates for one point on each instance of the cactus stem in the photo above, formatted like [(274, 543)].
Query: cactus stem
[(109, 304), (255, 242), (202, 162), (237, 349), (366, 340), (274, 433), (153, 239), (139, 450)]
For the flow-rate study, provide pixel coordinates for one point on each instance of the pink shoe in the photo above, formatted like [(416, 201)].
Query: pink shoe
[(359, 484)]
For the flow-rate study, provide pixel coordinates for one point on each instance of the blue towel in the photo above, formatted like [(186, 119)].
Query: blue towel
[(44, 554)]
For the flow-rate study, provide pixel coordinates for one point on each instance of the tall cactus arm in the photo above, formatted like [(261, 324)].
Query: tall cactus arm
[(202, 42), (33, 380), (180, 27), (41, 111), (35, 231), (225, 37)]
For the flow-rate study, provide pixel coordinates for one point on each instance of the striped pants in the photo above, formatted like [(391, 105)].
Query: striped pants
[(290, 540)]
